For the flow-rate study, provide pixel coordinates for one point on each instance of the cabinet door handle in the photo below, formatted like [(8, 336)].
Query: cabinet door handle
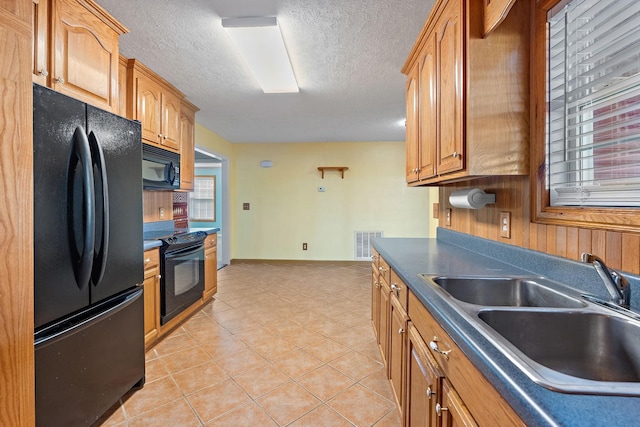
[(434, 346), (455, 154), (401, 331), (382, 269), (59, 80), (430, 393), (440, 409), (374, 257), (159, 135), (376, 284), (396, 289), (147, 261), (43, 72)]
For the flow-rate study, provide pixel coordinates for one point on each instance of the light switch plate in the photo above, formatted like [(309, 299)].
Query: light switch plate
[(505, 225), (447, 219)]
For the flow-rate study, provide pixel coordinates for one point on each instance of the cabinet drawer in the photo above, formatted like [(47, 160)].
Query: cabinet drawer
[(384, 269), (151, 258), (375, 259), (399, 290)]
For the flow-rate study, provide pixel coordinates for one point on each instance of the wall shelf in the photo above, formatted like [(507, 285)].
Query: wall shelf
[(340, 169)]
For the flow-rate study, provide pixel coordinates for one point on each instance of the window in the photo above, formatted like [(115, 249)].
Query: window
[(202, 200), (588, 111), (593, 84)]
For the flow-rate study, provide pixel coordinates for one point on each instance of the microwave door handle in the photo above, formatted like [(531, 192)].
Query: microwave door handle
[(102, 252), (82, 153), (171, 173)]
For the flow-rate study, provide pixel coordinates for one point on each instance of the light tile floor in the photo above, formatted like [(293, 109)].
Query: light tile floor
[(281, 345)]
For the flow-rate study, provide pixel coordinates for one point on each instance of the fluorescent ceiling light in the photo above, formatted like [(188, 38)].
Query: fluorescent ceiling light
[(260, 43)]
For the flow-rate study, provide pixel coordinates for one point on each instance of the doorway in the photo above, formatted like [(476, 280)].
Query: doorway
[(208, 163)]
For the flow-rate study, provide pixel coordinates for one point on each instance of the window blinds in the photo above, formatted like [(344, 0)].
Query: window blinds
[(593, 88)]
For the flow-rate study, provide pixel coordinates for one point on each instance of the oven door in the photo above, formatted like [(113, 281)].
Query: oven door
[(182, 281)]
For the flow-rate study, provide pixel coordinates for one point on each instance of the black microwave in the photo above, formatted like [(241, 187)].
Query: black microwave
[(160, 168)]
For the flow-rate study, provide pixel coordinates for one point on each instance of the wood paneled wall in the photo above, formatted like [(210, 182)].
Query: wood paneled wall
[(153, 201), (17, 401), (619, 250)]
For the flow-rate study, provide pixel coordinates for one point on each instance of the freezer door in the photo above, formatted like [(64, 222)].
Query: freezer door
[(118, 262), (86, 363), (59, 224)]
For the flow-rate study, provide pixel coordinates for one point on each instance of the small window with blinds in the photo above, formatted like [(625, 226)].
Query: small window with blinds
[(593, 104), (202, 200)]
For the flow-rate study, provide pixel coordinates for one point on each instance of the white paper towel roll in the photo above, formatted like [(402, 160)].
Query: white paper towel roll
[(473, 198)]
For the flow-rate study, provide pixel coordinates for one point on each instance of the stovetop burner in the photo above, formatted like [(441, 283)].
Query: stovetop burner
[(177, 236)]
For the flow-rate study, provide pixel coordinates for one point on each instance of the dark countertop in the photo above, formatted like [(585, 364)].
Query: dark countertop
[(461, 254), (154, 243)]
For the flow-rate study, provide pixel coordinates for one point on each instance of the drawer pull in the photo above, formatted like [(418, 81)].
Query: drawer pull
[(382, 269), (434, 346), (147, 261)]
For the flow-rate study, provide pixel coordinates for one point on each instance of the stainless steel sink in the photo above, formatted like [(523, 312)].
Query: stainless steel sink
[(589, 345), (505, 291), (557, 337)]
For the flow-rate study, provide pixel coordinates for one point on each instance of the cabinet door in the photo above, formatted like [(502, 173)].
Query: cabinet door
[(411, 124), (424, 383), (148, 109), (170, 121), (187, 147), (449, 44), (428, 110), (40, 52), (453, 411), (375, 304), (210, 273), (85, 53), (385, 324), (151, 305), (396, 360)]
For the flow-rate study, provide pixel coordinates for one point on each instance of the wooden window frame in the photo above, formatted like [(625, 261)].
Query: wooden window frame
[(611, 219), (213, 219)]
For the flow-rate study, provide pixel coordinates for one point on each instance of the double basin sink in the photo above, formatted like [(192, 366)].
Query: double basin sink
[(557, 337)]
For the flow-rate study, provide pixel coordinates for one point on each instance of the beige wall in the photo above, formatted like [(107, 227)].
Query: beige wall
[(287, 209)]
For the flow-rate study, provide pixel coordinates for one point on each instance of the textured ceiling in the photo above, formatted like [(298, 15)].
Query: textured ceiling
[(346, 54)]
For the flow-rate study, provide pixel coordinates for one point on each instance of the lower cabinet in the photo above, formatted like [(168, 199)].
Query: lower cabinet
[(210, 266), (424, 382), (151, 296), (433, 381)]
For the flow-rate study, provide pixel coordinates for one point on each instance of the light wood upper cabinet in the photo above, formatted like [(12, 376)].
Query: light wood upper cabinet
[(449, 85), (75, 50), (412, 131), (156, 104), (473, 95), (40, 47), (187, 144)]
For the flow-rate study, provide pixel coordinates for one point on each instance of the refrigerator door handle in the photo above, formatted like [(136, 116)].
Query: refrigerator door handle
[(82, 153), (98, 162)]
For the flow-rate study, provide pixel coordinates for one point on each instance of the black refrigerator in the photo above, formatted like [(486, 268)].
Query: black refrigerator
[(88, 256)]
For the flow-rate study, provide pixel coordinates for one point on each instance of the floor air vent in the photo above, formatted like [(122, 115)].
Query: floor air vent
[(363, 240)]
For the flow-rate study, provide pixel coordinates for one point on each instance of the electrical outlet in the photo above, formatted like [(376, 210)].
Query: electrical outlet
[(447, 219), (304, 246), (161, 212), (245, 206), (505, 225)]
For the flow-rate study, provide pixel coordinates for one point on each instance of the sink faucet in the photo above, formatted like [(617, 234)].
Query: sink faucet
[(617, 286)]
